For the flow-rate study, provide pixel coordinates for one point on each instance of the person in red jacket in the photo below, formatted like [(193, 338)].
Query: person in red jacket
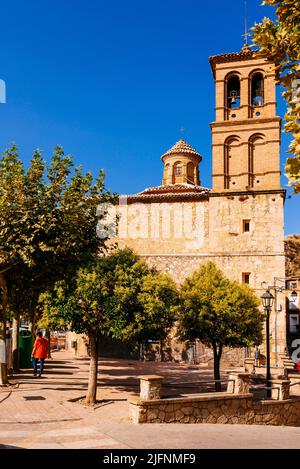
[(39, 352)]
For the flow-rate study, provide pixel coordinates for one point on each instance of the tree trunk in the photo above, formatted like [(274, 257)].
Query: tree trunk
[(49, 348), (3, 364), (15, 342), (32, 322), (161, 350), (141, 351), (93, 373), (217, 361), (33, 319)]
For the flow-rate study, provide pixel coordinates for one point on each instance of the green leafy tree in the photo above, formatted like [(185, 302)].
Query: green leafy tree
[(279, 42), (219, 312), (116, 296), (48, 224)]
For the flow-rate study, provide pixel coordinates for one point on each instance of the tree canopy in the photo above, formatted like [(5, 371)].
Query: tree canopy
[(116, 296), (219, 312), (279, 42), (47, 213), (48, 223)]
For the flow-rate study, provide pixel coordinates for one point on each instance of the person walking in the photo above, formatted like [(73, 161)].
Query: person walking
[(39, 353)]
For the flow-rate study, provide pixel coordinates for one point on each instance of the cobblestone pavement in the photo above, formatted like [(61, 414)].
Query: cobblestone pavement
[(38, 413)]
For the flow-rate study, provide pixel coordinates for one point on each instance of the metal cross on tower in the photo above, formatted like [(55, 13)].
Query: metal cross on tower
[(247, 34)]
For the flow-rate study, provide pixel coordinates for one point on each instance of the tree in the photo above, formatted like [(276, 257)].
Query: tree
[(279, 42), (292, 256), (219, 312), (115, 296), (48, 224)]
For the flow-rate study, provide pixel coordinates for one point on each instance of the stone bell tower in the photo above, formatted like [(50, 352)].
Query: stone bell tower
[(246, 132)]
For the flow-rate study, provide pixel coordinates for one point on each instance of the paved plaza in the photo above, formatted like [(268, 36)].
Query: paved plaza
[(39, 413)]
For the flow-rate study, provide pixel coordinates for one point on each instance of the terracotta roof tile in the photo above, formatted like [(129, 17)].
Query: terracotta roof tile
[(182, 191), (182, 147), (172, 188), (244, 54), (169, 196)]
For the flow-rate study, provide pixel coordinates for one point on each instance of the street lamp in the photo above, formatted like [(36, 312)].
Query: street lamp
[(267, 300), (294, 296)]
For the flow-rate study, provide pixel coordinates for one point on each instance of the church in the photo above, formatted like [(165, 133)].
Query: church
[(239, 222)]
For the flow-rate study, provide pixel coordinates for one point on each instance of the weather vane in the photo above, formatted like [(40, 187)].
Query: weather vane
[(247, 34)]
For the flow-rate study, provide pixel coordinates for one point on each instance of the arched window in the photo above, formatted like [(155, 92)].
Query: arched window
[(257, 89), (233, 92), (256, 159), (190, 173), (177, 169), (177, 172), (231, 158)]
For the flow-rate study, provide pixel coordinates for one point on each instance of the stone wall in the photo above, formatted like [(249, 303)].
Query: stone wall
[(221, 408), (277, 412), (179, 237), (295, 381), (212, 408), (216, 235), (235, 406)]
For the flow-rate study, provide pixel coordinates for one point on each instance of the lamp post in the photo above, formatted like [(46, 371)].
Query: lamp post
[(294, 296), (267, 300)]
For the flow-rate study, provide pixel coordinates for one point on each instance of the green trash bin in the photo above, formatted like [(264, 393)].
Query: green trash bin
[(25, 347)]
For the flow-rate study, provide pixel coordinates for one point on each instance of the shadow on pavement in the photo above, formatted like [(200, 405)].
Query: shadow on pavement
[(10, 447)]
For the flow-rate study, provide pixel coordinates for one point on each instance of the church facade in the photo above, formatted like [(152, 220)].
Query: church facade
[(239, 222)]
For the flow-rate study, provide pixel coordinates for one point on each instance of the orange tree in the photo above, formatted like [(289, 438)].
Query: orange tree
[(116, 296), (219, 312)]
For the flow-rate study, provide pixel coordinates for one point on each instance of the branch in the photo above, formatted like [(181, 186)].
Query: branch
[(5, 269)]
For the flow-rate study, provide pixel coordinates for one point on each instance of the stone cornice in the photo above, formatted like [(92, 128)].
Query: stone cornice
[(231, 123), (248, 192), (245, 54), (196, 196)]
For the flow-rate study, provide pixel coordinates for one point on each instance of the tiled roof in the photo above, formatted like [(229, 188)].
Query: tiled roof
[(173, 192), (182, 147), (244, 54), (181, 187)]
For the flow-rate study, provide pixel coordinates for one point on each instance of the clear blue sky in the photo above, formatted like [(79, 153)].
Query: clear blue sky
[(115, 81)]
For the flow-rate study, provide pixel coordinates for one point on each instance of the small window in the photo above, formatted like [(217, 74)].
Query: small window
[(292, 285), (178, 170), (246, 277), (246, 226)]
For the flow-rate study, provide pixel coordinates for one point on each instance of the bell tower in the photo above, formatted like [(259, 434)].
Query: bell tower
[(246, 132)]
